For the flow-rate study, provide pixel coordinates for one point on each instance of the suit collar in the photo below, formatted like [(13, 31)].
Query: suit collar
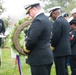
[(38, 14), (59, 16)]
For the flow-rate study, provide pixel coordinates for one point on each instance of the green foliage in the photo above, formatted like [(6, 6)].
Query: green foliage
[(21, 35), (66, 5), (6, 21), (1, 7), (9, 67), (70, 7)]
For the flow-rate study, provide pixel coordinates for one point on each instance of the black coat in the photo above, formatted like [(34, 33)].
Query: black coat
[(73, 41), (60, 39), (2, 27), (38, 41)]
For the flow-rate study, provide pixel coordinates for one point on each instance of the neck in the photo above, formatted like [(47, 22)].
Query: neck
[(38, 12)]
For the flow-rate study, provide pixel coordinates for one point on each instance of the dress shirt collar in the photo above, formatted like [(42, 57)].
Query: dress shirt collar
[(38, 13)]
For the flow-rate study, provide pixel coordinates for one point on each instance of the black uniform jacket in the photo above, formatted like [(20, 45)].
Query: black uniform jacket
[(60, 39), (38, 41), (73, 41)]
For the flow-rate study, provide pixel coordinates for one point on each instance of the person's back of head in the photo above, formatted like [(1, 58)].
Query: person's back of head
[(66, 16), (72, 24), (73, 21)]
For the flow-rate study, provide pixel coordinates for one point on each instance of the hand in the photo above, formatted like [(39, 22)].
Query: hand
[(26, 50), (52, 48), (1, 33)]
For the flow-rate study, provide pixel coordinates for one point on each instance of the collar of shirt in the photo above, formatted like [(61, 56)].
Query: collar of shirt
[(38, 13), (58, 16)]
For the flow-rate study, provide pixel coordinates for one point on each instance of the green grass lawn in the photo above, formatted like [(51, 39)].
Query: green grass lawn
[(8, 66)]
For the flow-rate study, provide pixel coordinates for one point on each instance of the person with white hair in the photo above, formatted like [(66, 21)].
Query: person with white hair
[(60, 40), (73, 13)]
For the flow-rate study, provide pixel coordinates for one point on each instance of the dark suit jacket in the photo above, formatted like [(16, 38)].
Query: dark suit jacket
[(38, 41), (2, 27), (60, 39), (73, 41)]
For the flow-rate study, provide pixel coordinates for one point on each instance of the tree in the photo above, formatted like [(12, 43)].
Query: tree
[(1, 7), (66, 5), (6, 20)]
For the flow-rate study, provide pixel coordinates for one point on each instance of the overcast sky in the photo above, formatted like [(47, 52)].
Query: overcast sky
[(16, 7)]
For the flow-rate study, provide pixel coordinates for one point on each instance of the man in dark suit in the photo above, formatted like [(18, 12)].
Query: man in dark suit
[(2, 30), (60, 41), (40, 56), (73, 45)]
